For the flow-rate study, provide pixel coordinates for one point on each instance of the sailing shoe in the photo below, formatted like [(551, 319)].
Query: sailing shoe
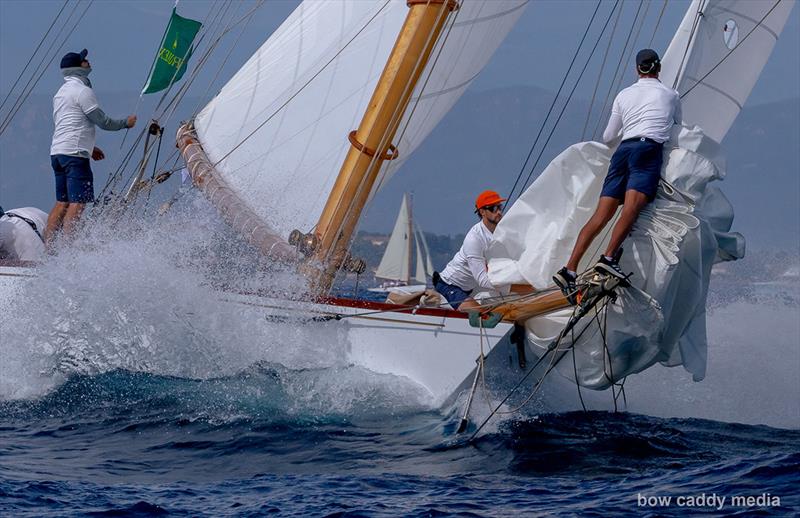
[(566, 281), (610, 267)]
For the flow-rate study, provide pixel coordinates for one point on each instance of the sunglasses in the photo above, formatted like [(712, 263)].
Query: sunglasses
[(493, 208)]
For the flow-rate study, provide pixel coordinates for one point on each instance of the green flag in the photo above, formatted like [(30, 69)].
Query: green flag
[(174, 52)]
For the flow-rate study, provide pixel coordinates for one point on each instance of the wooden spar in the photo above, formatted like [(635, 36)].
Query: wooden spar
[(233, 210), (371, 142), (531, 307)]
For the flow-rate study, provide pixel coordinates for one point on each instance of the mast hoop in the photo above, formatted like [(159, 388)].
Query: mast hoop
[(391, 152)]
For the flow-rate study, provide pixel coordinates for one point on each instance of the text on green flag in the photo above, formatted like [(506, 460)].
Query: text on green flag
[(174, 52)]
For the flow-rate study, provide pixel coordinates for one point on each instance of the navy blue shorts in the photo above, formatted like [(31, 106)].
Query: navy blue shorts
[(74, 179), (636, 165), (454, 295)]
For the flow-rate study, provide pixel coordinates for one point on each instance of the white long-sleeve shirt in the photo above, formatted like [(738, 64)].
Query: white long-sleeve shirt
[(647, 108), (467, 269)]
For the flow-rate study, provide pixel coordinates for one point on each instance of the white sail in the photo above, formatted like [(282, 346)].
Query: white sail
[(395, 261), (717, 55), (405, 238), (278, 130)]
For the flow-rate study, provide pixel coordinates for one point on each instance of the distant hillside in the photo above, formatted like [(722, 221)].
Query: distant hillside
[(481, 144)]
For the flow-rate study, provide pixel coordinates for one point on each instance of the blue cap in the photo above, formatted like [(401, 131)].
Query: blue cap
[(74, 59)]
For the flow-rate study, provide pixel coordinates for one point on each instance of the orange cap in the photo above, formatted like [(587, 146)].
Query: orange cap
[(486, 199)]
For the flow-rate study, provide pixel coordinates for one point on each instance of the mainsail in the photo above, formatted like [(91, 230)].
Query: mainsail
[(278, 131), (396, 262), (676, 239)]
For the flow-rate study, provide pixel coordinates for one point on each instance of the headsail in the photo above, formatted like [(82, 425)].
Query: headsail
[(717, 55), (395, 262), (277, 131)]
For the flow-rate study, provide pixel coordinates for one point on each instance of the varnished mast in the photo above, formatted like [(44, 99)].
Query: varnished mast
[(371, 142)]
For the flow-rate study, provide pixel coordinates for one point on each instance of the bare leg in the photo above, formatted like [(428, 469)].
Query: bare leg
[(635, 201), (73, 215), (606, 208), (55, 220)]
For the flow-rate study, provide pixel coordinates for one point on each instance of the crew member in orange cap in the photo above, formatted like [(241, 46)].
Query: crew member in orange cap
[(467, 272)]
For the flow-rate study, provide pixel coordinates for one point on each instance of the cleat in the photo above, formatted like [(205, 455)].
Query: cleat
[(566, 281)]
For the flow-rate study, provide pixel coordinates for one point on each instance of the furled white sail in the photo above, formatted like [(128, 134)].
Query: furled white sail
[(395, 261), (673, 246), (717, 55), (278, 130)]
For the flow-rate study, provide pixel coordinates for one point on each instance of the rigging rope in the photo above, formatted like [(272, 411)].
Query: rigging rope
[(658, 23), (600, 73), (552, 105), (30, 60), (172, 105), (564, 107), (28, 89), (619, 71)]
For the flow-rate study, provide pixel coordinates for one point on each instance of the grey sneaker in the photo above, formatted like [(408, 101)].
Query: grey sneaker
[(611, 267), (566, 281)]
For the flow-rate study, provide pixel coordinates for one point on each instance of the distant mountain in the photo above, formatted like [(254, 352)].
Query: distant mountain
[(481, 144)]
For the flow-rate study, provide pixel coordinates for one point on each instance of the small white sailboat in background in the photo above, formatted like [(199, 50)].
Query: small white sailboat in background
[(397, 263)]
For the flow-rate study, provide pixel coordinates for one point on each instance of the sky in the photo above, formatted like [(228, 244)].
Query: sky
[(122, 37)]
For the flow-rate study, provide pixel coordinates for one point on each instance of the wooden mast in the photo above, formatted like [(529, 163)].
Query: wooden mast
[(371, 142)]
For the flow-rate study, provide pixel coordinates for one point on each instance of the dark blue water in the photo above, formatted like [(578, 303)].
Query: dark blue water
[(125, 444)]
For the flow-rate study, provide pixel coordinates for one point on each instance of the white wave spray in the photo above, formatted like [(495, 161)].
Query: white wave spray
[(146, 298)]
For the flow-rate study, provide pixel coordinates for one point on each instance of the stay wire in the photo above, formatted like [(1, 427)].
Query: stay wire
[(658, 24), (600, 73), (619, 73), (30, 60), (24, 96), (564, 107), (552, 104)]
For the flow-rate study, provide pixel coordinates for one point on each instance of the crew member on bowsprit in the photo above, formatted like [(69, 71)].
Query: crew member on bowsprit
[(644, 114), (467, 272)]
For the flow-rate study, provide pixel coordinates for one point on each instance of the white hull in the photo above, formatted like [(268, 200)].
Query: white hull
[(434, 348)]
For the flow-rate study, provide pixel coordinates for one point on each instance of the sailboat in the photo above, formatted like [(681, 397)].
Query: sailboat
[(295, 145), (395, 267)]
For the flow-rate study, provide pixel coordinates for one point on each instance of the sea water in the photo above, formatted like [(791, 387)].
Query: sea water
[(127, 388)]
